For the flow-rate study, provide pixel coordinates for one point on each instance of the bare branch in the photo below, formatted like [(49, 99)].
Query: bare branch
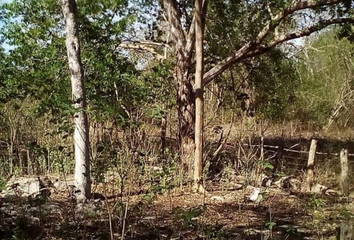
[(296, 6), (141, 47), (306, 32), (148, 43)]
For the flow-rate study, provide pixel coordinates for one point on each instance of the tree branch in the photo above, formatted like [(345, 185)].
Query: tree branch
[(142, 47), (306, 32), (191, 33), (253, 45)]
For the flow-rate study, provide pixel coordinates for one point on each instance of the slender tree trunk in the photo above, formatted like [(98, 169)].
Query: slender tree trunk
[(81, 133), (311, 165), (344, 179), (199, 100), (163, 135)]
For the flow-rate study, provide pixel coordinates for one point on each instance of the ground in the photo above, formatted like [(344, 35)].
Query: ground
[(177, 213)]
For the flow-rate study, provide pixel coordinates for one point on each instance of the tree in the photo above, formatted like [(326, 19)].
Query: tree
[(268, 27), (184, 42), (35, 67), (199, 101), (81, 132)]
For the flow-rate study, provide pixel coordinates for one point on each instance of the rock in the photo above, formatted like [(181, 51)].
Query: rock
[(288, 182), (217, 199), (318, 188), (34, 221), (28, 186), (267, 182), (62, 186), (33, 187), (255, 194), (239, 179), (332, 192), (148, 218)]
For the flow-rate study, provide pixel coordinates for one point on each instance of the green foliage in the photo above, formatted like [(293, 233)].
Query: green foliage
[(2, 184), (326, 72), (164, 179), (316, 202), (187, 216), (291, 230), (266, 165), (345, 214), (270, 225)]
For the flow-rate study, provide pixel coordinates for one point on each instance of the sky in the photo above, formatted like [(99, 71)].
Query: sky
[(5, 46)]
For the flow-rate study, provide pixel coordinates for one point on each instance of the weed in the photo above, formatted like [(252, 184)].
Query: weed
[(270, 225), (187, 216), (291, 231), (214, 232), (2, 184), (345, 214)]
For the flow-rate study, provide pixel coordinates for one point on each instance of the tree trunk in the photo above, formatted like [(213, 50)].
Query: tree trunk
[(81, 133), (311, 165), (344, 179), (163, 136), (185, 98), (186, 115), (199, 101)]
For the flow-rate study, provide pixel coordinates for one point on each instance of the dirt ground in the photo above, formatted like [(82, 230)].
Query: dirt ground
[(178, 214)]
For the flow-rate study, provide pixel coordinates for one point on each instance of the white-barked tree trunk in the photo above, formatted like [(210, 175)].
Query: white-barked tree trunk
[(81, 133)]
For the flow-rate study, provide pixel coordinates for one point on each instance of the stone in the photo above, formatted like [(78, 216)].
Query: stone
[(33, 187), (218, 199), (255, 194), (288, 182), (318, 188), (62, 186), (24, 187)]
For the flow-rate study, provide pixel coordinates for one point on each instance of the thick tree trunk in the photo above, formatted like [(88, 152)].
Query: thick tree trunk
[(81, 133), (186, 115), (185, 97), (199, 100), (184, 45)]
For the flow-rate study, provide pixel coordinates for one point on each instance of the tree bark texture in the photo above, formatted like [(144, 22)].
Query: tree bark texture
[(311, 165), (185, 94), (344, 179), (199, 100), (81, 132)]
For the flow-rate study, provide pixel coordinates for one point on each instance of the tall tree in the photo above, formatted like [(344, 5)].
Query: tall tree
[(81, 132), (268, 27), (184, 41), (185, 102)]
